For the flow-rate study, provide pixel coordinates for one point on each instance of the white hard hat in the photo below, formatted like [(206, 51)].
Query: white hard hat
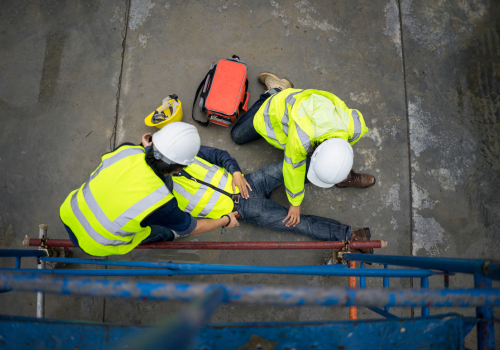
[(331, 163), (177, 143)]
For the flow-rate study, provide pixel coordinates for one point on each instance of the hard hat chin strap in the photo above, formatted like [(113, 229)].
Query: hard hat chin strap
[(160, 156)]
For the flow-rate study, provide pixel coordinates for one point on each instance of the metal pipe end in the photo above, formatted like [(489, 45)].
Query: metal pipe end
[(383, 244), (26, 241), (43, 227)]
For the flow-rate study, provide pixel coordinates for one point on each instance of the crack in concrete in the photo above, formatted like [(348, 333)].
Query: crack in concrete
[(112, 146), (112, 139), (412, 312)]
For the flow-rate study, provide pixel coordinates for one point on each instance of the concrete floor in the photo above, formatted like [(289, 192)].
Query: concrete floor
[(430, 97)]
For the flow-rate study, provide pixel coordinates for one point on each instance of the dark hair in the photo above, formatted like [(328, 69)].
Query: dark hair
[(160, 165)]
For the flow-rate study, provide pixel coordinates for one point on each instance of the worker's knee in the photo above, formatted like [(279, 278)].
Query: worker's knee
[(236, 136)]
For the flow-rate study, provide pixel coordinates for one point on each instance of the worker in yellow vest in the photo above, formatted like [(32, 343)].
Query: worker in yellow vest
[(126, 200), (213, 187), (305, 123)]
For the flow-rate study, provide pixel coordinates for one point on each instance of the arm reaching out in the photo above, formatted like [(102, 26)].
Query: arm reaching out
[(207, 225)]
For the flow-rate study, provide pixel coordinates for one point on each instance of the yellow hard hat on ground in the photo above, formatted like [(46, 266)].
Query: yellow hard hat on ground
[(170, 111)]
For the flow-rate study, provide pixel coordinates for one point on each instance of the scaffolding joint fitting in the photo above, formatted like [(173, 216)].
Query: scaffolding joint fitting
[(338, 254)]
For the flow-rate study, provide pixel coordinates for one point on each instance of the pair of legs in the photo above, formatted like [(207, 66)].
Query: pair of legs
[(243, 131), (271, 214)]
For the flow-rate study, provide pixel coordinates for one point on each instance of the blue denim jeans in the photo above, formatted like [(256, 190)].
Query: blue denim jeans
[(243, 131), (271, 214)]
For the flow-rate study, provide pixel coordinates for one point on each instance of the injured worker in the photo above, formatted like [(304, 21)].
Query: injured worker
[(213, 187)]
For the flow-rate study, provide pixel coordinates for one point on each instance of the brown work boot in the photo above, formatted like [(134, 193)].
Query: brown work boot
[(362, 235), (271, 81), (357, 180)]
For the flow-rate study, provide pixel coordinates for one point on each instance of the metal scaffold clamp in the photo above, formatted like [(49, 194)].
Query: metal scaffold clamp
[(338, 254)]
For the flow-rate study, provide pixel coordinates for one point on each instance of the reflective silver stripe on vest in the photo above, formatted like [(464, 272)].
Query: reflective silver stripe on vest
[(195, 199), (131, 213), (357, 126), (147, 202), (293, 195), (88, 228), (115, 158), (114, 227), (269, 126), (215, 196), (291, 101), (182, 191), (304, 138), (100, 215), (198, 162), (294, 165)]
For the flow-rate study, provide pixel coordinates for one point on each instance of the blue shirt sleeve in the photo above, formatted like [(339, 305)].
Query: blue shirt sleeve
[(170, 216), (219, 157)]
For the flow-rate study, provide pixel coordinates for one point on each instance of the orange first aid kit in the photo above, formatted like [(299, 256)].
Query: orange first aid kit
[(223, 92)]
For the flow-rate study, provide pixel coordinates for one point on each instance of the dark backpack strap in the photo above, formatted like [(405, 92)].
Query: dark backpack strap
[(189, 177), (242, 103), (203, 94)]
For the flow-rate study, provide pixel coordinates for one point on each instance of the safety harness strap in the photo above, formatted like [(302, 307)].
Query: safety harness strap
[(192, 178)]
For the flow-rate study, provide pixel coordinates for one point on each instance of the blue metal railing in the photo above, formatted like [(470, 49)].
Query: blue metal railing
[(483, 297), (250, 294)]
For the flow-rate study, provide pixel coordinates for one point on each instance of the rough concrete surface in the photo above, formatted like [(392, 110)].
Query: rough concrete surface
[(432, 91)]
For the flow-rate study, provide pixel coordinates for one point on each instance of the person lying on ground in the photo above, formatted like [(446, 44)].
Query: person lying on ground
[(213, 186)]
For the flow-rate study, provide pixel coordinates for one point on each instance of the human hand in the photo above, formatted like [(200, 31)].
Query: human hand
[(233, 221), (293, 216), (241, 183), (145, 140)]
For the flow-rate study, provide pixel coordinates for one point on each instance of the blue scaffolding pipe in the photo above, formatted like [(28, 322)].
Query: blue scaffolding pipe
[(424, 284), (362, 281), (385, 284), (117, 273), (485, 329), (167, 264), (328, 270), (256, 295), (385, 281), (229, 269), (18, 253), (490, 268)]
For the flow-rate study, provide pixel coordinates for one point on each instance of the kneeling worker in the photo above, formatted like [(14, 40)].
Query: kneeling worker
[(304, 123), (126, 200), (213, 187)]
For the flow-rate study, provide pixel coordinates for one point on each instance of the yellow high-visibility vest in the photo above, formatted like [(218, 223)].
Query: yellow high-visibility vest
[(200, 200), (105, 213), (297, 121)]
